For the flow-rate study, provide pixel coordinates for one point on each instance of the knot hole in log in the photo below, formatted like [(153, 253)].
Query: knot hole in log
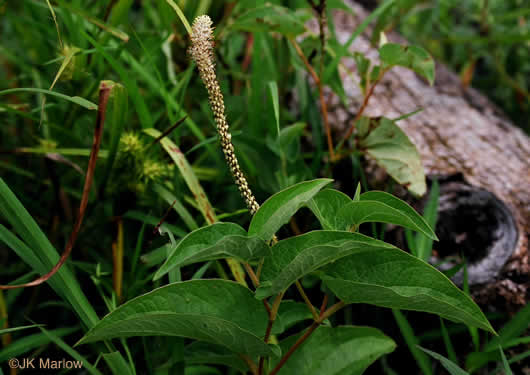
[(473, 223)]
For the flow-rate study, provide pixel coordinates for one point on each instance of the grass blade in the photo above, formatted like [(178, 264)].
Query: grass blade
[(430, 214), (198, 192), (505, 365), (412, 341), (450, 366), (74, 99), (181, 15), (83, 362), (332, 66), (517, 325)]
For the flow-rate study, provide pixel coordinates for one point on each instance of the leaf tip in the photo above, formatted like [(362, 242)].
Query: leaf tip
[(262, 292), (158, 274)]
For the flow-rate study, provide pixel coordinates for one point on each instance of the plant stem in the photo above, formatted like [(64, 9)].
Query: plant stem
[(260, 267), (272, 318), (323, 306), (250, 363), (294, 347), (323, 104), (104, 92), (251, 274), (306, 300), (117, 261), (6, 338), (361, 110), (323, 316), (332, 310)]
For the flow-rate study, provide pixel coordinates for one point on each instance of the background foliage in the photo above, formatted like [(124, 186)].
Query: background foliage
[(140, 182)]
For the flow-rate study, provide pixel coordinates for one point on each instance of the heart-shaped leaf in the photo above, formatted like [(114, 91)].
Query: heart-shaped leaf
[(378, 206), (278, 209), (295, 257), (325, 206), (337, 351), (217, 311), (216, 241), (390, 277)]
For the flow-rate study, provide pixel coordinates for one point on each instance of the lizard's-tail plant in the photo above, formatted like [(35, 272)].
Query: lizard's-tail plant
[(201, 51)]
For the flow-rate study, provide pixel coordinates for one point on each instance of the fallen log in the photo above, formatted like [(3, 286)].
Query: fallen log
[(480, 157)]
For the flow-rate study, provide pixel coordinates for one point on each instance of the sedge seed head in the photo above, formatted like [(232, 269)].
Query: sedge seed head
[(130, 143)]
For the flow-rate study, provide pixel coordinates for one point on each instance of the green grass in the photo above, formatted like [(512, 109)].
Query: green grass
[(149, 193)]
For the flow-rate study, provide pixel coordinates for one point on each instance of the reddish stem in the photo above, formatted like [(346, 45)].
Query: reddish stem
[(246, 62), (323, 316), (104, 92), (294, 347), (323, 307), (361, 110), (323, 104)]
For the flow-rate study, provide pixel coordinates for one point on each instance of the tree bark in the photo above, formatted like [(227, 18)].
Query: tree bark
[(482, 159)]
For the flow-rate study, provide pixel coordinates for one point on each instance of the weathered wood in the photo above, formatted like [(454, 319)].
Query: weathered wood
[(459, 132)]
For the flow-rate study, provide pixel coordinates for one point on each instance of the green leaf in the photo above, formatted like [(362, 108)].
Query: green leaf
[(74, 99), (129, 80), (187, 173), (325, 206), (449, 365), (515, 327), (29, 342), (41, 256), (378, 206), (363, 68), (505, 365), (357, 195), (449, 348), (216, 241), (393, 278), (295, 257), (117, 363), (273, 89), (14, 329), (199, 309), (174, 202), (477, 360), (278, 209), (292, 312), (99, 23), (270, 17), (199, 353), (290, 140), (81, 361), (343, 51), (390, 147), (336, 351), (412, 341), (423, 245), (120, 11), (181, 15), (116, 116), (412, 57)]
